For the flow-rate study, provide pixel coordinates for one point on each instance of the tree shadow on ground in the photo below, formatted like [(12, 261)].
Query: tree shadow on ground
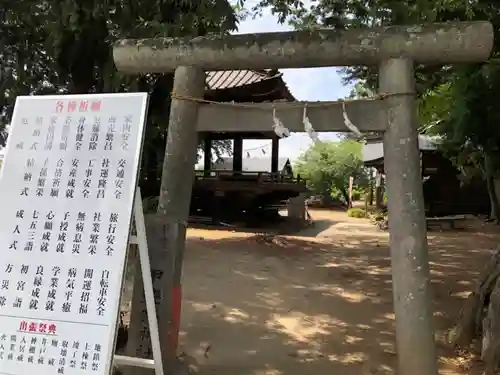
[(317, 227), (288, 306)]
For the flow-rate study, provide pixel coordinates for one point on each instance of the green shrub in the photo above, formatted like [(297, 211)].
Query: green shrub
[(356, 212)]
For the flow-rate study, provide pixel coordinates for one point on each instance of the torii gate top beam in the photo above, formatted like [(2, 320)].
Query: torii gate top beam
[(429, 44)]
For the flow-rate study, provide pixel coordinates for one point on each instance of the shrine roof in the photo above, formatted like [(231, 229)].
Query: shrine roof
[(225, 79), (373, 149), (241, 83)]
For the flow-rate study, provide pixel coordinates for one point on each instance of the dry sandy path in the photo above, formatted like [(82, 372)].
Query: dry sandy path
[(319, 303)]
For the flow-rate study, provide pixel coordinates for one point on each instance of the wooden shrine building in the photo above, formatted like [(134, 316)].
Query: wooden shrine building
[(232, 193), (444, 191)]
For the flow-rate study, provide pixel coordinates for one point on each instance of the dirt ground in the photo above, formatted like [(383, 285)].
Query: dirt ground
[(316, 303)]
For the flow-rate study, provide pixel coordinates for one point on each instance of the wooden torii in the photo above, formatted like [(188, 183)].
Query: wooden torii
[(395, 50)]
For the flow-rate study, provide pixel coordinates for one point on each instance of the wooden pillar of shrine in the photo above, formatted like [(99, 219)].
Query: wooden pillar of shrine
[(238, 154), (275, 155), (207, 155)]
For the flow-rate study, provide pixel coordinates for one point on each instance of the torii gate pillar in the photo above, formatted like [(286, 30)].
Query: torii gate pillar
[(395, 50), (408, 237)]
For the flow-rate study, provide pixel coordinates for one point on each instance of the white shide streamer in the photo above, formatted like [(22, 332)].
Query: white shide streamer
[(283, 132), (278, 127), (348, 122), (309, 128)]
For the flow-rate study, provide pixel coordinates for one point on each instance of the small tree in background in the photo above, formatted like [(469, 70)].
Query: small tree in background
[(327, 166)]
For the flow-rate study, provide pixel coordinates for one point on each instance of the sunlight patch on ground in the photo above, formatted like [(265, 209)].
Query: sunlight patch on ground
[(252, 276), (201, 307), (352, 339), (463, 295), (351, 296), (272, 299), (363, 326), (268, 372), (390, 316), (299, 326), (370, 270), (236, 316), (356, 357)]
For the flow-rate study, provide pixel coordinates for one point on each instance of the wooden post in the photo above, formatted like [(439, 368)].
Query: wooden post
[(275, 155), (349, 191), (379, 190), (207, 155), (238, 154), (410, 268), (369, 197)]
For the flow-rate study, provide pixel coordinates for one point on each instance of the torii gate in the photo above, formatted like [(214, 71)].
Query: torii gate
[(394, 50)]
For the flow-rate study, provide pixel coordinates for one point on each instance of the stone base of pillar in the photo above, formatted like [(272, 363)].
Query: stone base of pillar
[(297, 207)]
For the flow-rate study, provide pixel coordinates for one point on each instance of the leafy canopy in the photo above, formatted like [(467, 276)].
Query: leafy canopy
[(62, 46), (327, 166)]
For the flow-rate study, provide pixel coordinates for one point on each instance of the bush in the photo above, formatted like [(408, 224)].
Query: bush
[(378, 216), (356, 212)]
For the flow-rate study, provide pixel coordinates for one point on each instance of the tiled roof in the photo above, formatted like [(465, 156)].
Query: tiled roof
[(220, 80), (374, 150)]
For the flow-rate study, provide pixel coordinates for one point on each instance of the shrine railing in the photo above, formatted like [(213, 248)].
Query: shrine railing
[(258, 177)]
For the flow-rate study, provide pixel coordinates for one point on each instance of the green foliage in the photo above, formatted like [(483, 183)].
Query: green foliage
[(358, 193), (463, 110), (66, 47), (464, 113), (338, 195), (357, 213), (327, 166), (434, 107), (474, 117), (459, 103), (346, 14), (361, 90)]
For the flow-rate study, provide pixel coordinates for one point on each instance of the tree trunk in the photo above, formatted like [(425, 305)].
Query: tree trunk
[(490, 184), (490, 352), (345, 194), (379, 191), (327, 200), (479, 320), (370, 189)]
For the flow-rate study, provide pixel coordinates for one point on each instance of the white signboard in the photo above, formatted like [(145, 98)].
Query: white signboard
[(67, 187)]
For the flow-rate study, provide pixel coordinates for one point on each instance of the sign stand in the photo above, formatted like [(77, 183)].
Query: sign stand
[(68, 188), (141, 241)]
